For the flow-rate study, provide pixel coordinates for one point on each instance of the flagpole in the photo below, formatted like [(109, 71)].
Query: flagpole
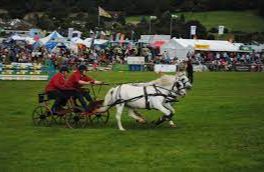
[(149, 26), (98, 24), (171, 27)]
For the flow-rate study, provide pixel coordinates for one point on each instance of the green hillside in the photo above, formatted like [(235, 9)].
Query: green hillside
[(246, 21)]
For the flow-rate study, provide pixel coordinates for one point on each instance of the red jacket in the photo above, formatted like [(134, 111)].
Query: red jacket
[(57, 82), (73, 81)]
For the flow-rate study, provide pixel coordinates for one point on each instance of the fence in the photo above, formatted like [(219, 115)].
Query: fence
[(236, 67)]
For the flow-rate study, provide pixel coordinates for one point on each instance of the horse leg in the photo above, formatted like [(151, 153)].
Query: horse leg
[(167, 114), (168, 106), (119, 110), (132, 113), (138, 114)]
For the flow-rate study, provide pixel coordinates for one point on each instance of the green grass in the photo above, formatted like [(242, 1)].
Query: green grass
[(246, 21), (220, 126)]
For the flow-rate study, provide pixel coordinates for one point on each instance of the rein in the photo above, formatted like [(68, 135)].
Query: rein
[(169, 98)]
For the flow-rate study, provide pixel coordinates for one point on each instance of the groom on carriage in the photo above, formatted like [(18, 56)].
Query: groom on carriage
[(61, 89), (77, 80)]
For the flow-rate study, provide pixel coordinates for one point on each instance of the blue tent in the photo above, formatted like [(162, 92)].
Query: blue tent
[(52, 40)]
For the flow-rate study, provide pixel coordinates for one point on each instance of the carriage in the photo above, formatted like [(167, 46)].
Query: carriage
[(157, 94), (73, 116)]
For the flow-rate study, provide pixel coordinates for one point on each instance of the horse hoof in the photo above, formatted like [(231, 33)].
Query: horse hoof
[(141, 121), (173, 126)]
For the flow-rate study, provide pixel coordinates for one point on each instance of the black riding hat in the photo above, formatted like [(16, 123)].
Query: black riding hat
[(82, 68), (64, 68)]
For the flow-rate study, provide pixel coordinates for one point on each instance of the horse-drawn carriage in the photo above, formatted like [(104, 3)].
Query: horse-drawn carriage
[(157, 94), (72, 115)]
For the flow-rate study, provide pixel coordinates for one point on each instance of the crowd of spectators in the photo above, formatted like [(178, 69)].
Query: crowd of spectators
[(61, 55), (228, 60), (24, 53)]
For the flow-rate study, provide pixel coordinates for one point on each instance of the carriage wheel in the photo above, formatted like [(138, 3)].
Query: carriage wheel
[(76, 119), (59, 119), (42, 116), (100, 118)]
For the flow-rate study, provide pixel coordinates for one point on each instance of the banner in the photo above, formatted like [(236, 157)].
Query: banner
[(103, 13), (243, 68), (70, 30), (221, 30), (24, 77), (165, 68), (193, 30), (202, 46), (135, 60)]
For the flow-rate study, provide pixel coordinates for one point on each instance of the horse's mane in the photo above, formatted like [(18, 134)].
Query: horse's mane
[(164, 80)]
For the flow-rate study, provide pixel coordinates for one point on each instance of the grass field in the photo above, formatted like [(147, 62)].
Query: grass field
[(220, 126), (246, 21)]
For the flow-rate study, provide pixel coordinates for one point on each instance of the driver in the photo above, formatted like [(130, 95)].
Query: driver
[(78, 79), (55, 86)]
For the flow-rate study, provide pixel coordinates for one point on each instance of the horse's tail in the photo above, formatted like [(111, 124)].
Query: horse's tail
[(109, 99)]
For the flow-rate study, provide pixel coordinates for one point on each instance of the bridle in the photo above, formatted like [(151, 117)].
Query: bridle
[(184, 83)]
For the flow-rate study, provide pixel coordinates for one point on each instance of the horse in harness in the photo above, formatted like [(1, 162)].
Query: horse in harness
[(157, 94)]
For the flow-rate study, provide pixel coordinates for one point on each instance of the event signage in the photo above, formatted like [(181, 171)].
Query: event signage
[(24, 77), (135, 60), (165, 68), (193, 30), (70, 31), (245, 48), (221, 30), (202, 46), (243, 68)]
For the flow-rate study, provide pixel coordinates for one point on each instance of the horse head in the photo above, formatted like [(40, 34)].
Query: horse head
[(179, 89), (185, 80)]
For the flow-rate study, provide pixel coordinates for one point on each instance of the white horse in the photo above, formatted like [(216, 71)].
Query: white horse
[(156, 94), (163, 81)]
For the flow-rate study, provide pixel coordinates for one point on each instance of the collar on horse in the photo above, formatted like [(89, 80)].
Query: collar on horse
[(168, 98)]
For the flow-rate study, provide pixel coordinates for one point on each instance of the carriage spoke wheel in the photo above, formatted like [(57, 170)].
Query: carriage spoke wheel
[(76, 120), (100, 118), (42, 116), (59, 118)]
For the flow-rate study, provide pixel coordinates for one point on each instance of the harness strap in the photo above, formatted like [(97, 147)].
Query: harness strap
[(146, 98), (168, 98)]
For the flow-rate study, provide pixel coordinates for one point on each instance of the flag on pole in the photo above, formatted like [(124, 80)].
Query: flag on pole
[(70, 31), (193, 30), (103, 13), (221, 30)]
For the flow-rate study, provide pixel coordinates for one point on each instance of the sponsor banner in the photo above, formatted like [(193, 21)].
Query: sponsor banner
[(243, 68), (24, 77), (193, 30), (202, 46), (221, 30), (70, 30), (135, 60), (165, 68)]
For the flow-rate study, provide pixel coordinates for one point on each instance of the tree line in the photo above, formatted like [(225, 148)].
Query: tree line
[(58, 8), (57, 15)]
